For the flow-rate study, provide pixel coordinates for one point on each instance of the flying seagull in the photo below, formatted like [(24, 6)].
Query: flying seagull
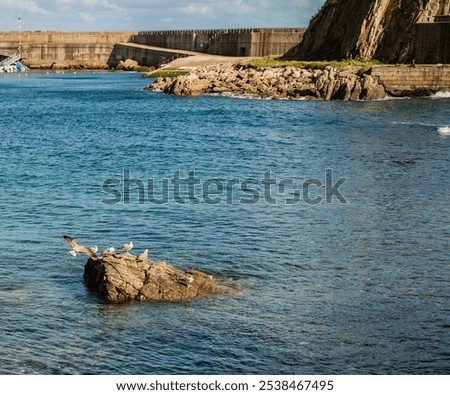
[(127, 247), (79, 249), (109, 251), (143, 256)]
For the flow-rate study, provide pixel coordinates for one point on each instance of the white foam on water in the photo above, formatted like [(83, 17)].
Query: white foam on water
[(254, 97), (238, 96), (441, 95), (444, 130), (413, 123), (388, 98)]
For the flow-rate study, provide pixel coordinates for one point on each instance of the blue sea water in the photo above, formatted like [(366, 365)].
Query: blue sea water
[(360, 287)]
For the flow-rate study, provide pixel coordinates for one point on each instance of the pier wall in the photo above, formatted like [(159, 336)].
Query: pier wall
[(433, 41), (43, 48), (145, 56), (225, 42), (103, 49), (404, 80)]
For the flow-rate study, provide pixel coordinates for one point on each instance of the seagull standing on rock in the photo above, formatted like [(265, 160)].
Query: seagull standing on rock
[(127, 247), (109, 251), (94, 249), (72, 254), (143, 256)]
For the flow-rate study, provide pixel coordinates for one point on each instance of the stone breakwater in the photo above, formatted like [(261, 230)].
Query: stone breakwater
[(68, 66), (348, 83)]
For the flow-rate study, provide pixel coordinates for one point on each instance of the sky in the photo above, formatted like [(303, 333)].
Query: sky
[(110, 15)]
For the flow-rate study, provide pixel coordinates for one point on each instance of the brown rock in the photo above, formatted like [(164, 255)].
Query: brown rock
[(127, 65), (270, 74), (122, 278), (221, 89), (372, 89), (161, 84), (348, 71), (190, 85), (329, 89), (305, 90), (345, 87), (342, 90), (60, 66), (328, 84), (356, 93)]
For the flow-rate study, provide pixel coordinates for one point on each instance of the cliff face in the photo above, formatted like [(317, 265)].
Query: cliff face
[(370, 29)]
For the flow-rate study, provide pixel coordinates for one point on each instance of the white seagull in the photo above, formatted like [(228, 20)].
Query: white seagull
[(127, 247), (94, 249), (143, 256), (72, 254), (79, 249), (109, 251)]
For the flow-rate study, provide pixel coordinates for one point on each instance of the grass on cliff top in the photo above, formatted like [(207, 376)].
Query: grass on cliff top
[(277, 62), (168, 74)]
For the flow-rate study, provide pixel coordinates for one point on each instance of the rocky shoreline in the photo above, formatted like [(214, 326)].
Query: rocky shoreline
[(66, 66), (288, 82), (126, 65)]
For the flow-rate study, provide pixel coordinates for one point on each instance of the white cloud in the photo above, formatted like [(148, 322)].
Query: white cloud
[(216, 9), (89, 3), (85, 16), (198, 9), (32, 7), (111, 6), (154, 14), (28, 6)]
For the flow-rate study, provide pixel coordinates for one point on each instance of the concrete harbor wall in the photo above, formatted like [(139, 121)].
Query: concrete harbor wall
[(433, 41), (43, 48), (144, 55), (403, 80), (275, 43), (225, 42)]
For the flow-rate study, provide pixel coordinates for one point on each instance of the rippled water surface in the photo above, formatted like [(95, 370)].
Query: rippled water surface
[(359, 287)]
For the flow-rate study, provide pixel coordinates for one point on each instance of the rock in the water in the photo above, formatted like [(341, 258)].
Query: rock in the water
[(127, 65), (331, 83), (372, 89), (123, 278)]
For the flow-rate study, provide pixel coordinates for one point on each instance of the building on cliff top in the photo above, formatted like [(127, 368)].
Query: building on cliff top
[(433, 41)]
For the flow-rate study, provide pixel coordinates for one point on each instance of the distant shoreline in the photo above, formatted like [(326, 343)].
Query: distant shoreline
[(67, 66)]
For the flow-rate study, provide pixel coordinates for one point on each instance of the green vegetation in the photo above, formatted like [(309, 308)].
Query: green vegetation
[(168, 74), (142, 69), (278, 62)]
